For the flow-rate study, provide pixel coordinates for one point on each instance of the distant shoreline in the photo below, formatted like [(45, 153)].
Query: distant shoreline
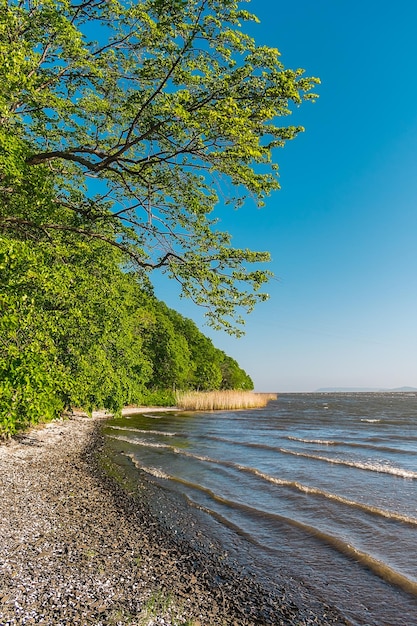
[(365, 390)]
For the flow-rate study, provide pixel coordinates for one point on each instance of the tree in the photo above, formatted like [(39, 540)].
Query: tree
[(30, 375), (71, 332), (234, 377), (168, 352), (206, 373), (144, 111)]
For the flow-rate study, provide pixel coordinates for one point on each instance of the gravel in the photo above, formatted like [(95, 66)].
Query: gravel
[(80, 546)]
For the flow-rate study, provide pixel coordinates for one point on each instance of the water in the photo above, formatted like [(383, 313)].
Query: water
[(320, 488)]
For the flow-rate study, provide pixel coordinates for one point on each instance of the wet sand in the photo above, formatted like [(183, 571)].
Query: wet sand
[(79, 546)]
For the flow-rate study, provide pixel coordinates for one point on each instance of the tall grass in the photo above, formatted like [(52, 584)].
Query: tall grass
[(215, 400)]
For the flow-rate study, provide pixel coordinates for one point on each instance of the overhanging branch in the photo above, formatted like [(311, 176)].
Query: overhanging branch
[(163, 261)]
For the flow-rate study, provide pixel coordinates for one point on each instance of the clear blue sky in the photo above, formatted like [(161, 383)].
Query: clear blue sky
[(343, 229)]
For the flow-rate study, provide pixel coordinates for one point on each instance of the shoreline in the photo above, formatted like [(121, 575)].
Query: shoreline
[(80, 547)]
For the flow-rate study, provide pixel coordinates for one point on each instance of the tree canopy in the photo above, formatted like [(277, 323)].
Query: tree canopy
[(123, 125), (77, 330), (145, 114)]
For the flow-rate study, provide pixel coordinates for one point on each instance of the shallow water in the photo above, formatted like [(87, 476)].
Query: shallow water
[(321, 488)]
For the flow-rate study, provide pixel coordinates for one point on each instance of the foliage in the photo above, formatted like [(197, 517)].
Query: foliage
[(204, 366), (233, 376), (29, 374), (168, 352), (170, 108), (62, 340), (76, 330), (113, 155), (158, 397)]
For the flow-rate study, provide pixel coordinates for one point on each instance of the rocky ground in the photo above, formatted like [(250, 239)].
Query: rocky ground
[(79, 548)]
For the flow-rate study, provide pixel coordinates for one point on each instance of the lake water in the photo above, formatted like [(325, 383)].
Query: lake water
[(317, 488)]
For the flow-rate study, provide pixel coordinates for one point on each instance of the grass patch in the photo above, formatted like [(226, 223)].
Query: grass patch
[(217, 400), (164, 606)]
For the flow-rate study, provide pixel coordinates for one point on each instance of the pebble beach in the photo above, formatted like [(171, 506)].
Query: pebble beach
[(79, 547)]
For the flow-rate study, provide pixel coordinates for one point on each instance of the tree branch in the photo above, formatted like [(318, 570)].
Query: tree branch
[(163, 261), (36, 159)]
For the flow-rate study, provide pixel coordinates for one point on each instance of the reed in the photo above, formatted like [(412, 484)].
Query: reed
[(216, 400)]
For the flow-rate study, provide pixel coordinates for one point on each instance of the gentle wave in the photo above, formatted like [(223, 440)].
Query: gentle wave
[(408, 438), (146, 432), (384, 571), (381, 569), (405, 519), (141, 442), (370, 466), (150, 444), (152, 471), (331, 496), (349, 444), (322, 442), (157, 473), (133, 416)]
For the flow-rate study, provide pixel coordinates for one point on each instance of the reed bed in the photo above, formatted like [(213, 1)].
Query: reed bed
[(217, 400)]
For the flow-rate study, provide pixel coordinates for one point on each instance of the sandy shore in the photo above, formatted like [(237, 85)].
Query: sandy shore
[(78, 549)]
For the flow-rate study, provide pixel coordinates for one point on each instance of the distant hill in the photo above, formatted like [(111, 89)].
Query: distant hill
[(364, 389)]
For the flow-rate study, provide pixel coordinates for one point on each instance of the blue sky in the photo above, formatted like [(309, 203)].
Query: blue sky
[(343, 229)]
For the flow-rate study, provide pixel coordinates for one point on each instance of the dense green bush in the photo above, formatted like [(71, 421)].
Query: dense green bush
[(76, 329)]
